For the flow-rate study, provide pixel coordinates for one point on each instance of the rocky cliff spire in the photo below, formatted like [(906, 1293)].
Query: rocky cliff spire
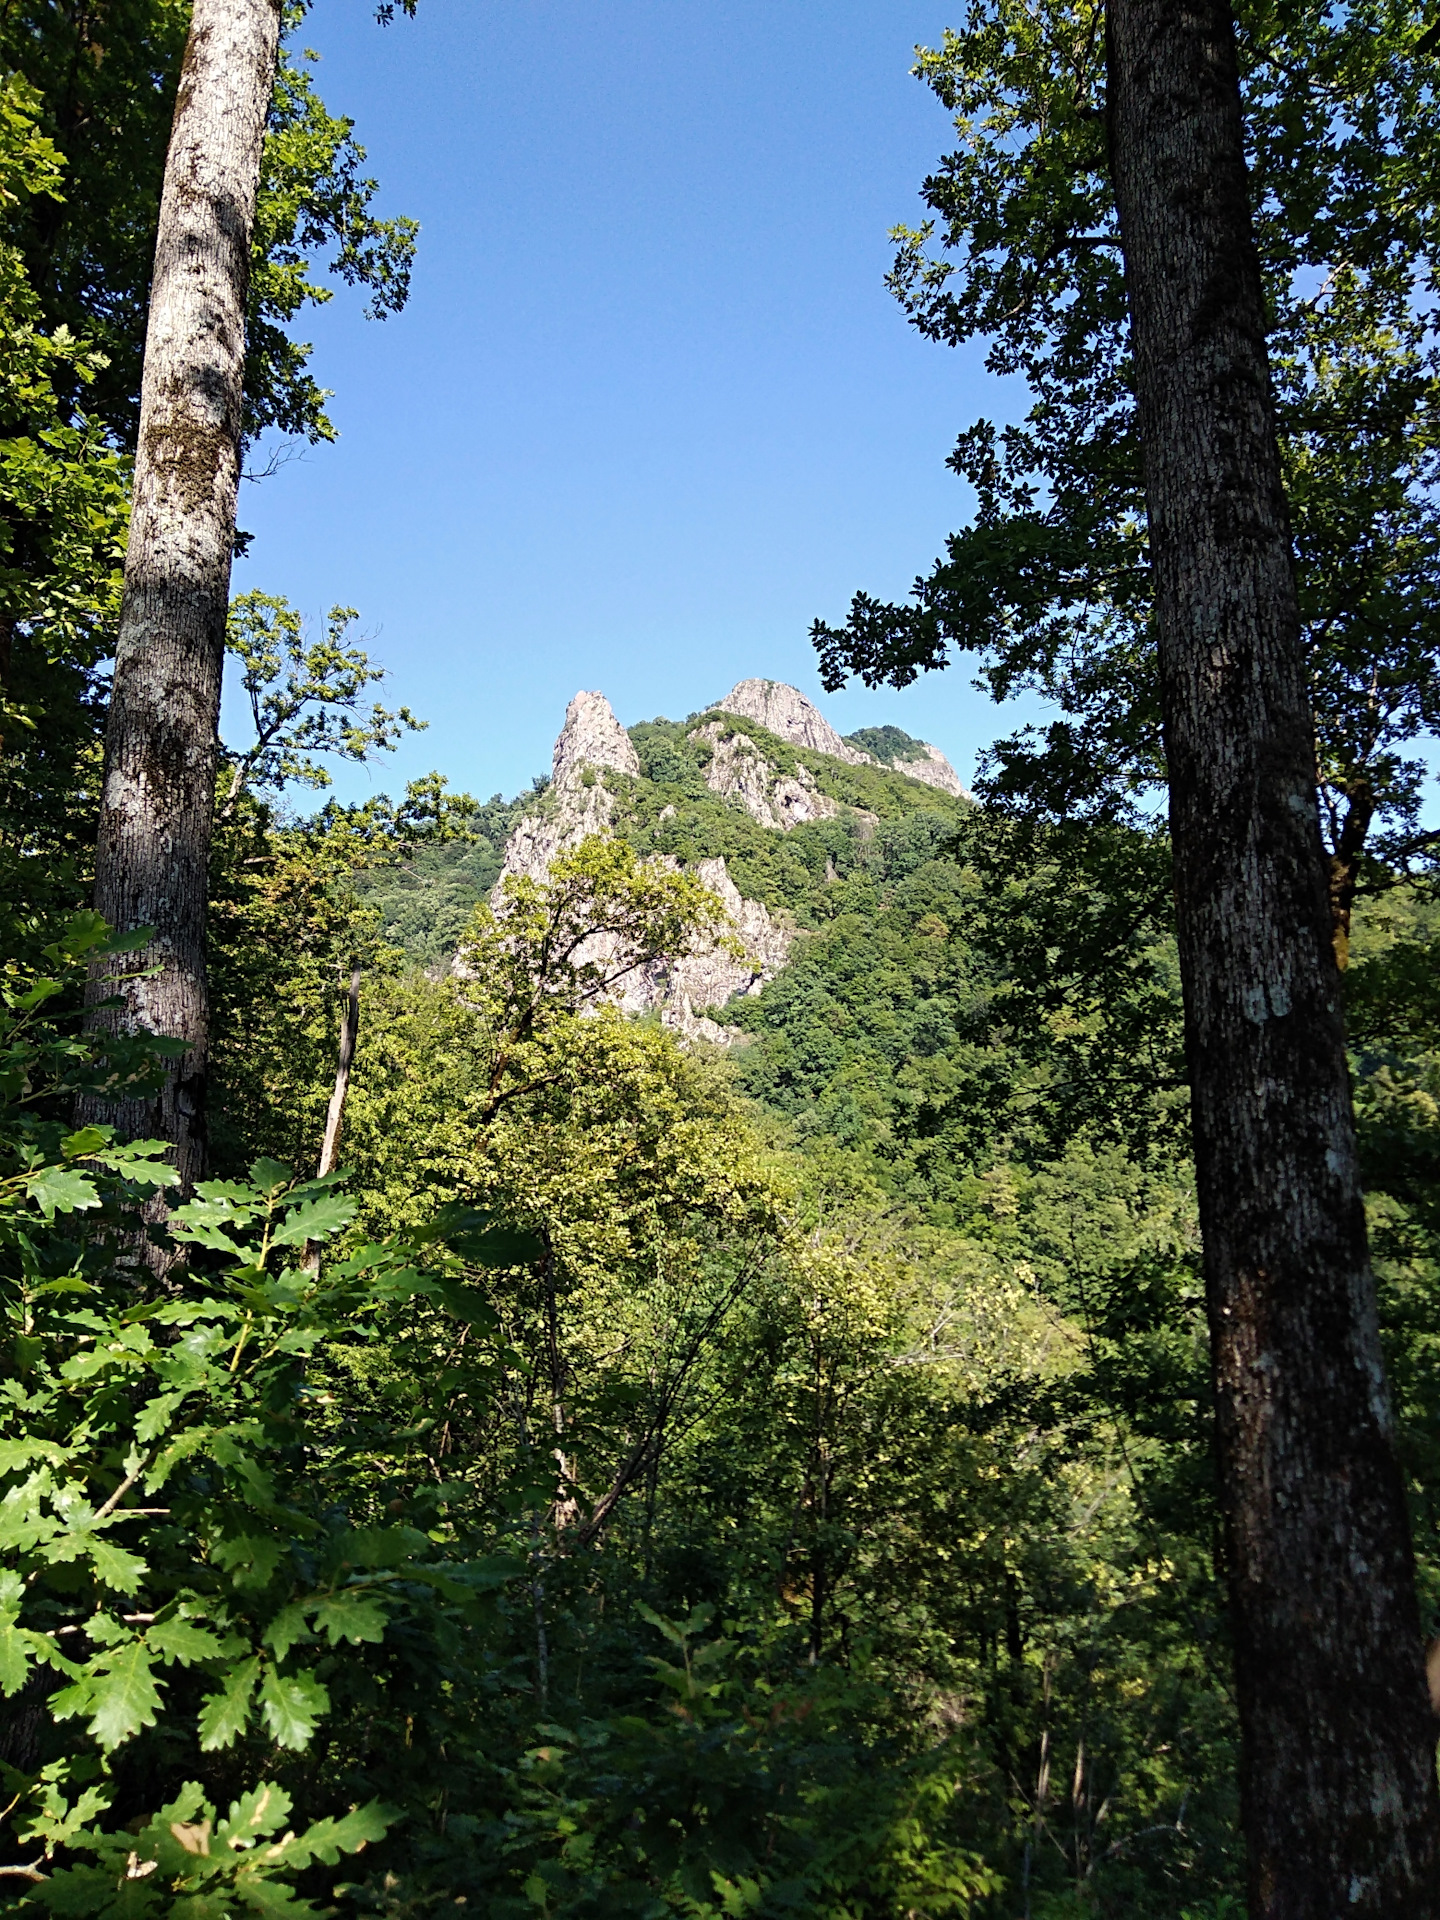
[(785, 712), (591, 737)]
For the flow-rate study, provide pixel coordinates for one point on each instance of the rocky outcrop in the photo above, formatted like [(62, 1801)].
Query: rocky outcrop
[(737, 770), (593, 748), (577, 802), (785, 712), (591, 737), (935, 771), (683, 989), (561, 820)]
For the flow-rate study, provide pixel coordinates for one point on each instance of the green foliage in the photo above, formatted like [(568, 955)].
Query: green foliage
[(304, 698), (1049, 585), (650, 1481), (220, 1629), (550, 948), (107, 86), (290, 916), (924, 1422), (944, 1480), (199, 1866), (424, 903), (1015, 996), (739, 1799), (63, 510), (1395, 1039)]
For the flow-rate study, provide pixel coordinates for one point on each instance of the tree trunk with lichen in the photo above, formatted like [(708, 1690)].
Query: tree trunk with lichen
[(161, 737), (1338, 1759)]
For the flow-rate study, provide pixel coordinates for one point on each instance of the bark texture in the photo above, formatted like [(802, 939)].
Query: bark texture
[(160, 741), (1340, 1805)]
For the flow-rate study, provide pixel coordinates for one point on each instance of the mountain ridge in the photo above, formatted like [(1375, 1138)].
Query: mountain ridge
[(765, 752), (785, 822)]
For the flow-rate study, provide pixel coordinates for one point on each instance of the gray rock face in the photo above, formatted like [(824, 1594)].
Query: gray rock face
[(935, 771), (591, 741), (683, 988), (563, 818), (785, 712), (738, 771), (591, 737)]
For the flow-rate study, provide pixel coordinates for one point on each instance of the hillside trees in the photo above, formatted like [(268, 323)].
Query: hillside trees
[(888, 1450), (907, 1456)]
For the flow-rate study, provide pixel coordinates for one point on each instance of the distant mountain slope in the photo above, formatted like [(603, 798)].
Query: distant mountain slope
[(772, 822), (917, 758), (778, 822), (875, 1016)]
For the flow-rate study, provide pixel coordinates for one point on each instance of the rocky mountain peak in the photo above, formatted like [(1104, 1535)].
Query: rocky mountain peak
[(785, 712), (591, 737), (932, 769), (735, 768)]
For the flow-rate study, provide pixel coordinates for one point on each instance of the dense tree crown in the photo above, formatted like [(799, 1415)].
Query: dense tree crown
[(1050, 583)]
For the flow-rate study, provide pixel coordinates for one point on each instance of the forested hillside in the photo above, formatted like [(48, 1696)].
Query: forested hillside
[(641, 1349), (876, 1333)]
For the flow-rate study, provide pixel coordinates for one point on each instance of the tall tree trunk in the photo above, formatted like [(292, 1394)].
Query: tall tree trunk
[(340, 1093), (1349, 844), (335, 1113), (1340, 1807), (160, 741)]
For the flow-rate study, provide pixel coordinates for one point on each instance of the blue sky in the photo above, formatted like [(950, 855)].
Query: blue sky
[(650, 409)]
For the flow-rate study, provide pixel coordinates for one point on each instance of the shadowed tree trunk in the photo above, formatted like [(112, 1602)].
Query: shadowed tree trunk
[(1348, 841), (1340, 1805), (160, 741)]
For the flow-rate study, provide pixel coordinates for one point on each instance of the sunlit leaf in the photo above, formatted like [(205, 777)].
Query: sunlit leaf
[(350, 1615), (121, 1700), (61, 1190), (318, 1219), (182, 1640), (255, 1815), (225, 1713), (291, 1705)]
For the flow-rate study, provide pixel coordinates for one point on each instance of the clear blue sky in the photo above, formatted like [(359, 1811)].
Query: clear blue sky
[(650, 409)]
